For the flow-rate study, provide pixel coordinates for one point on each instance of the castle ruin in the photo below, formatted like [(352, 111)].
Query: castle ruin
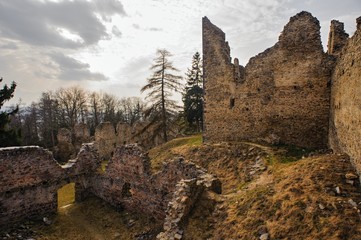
[(292, 93)]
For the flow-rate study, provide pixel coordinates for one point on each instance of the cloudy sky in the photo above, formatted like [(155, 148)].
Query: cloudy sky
[(109, 45)]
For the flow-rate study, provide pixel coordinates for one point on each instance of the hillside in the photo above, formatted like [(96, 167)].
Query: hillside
[(274, 192)]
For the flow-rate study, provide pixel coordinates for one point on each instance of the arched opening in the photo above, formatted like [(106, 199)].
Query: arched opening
[(66, 195)]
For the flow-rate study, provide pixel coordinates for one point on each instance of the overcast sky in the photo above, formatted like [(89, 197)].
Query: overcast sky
[(109, 45)]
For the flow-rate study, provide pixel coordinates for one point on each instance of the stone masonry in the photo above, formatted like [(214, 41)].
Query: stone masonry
[(281, 93), (292, 93), (30, 178), (345, 120)]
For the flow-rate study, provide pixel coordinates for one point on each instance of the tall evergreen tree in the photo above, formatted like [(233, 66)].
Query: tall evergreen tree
[(193, 96), (8, 136), (160, 86)]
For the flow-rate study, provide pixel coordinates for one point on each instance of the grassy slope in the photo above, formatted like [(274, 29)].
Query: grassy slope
[(288, 195)]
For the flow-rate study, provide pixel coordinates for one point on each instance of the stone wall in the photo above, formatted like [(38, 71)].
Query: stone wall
[(128, 181), (30, 179), (345, 122), (105, 140), (65, 149), (337, 38), (282, 93)]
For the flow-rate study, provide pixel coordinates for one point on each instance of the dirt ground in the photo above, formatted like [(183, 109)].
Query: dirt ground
[(91, 219)]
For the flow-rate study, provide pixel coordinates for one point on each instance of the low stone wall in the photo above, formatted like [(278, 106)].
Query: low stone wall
[(128, 181), (30, 179), (185, 196)]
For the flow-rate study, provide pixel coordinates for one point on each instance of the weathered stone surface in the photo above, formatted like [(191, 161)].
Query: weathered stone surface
[(124, 133), (64, 150), (29, 179), (283, 91), (337, 38), (27, 166), (345, 122), (105, 140), (81, 135), (128, 181)]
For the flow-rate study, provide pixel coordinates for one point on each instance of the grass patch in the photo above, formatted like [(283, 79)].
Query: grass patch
[(172, 149), (287, 154)]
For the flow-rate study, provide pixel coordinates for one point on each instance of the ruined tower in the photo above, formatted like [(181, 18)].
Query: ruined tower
[(282, 93)]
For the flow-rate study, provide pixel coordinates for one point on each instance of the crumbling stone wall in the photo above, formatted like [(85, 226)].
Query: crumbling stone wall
[(282, 93), (81, 135), (64, 149), (337, 38), (29, 180), (124, 133), (128, 181), (345, 122), (105, 139)]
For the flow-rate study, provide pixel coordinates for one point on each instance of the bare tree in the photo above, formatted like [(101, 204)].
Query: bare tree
[(73, 105)]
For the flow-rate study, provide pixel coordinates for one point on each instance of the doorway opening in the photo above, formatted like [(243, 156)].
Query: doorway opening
[(66, 195)]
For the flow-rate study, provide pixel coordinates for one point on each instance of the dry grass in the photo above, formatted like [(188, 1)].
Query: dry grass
[(293, 198), (172, 149)]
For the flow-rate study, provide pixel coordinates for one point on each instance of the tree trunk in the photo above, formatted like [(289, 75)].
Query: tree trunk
[(164, 117)]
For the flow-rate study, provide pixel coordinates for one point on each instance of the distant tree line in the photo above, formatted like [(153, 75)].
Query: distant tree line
[(66, 107), (38, 123)]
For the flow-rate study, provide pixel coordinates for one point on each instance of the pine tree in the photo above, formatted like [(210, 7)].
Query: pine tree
[(193, 97), (8, 137), (160, 86)]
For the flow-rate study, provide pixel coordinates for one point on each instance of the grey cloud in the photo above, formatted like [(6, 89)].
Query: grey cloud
[(36, 22), (107, 7), (154, 29), (9, 45), (116, 32), (72, 69), (136, 26)]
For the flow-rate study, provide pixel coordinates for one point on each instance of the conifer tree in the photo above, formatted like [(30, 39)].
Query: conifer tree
[(8, 137), (160, 86), (193, 97)]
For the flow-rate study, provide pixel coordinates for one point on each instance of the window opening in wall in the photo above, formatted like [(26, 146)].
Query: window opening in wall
[(66, 195), (231, 103)]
